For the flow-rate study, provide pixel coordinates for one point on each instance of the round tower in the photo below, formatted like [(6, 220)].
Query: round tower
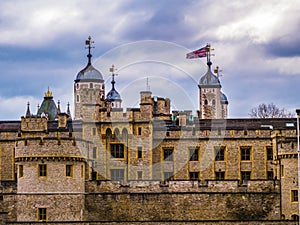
[(89, 90)]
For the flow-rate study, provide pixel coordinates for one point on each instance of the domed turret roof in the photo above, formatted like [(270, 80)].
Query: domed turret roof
[(89, 73), (48, 107), (209, 79), (223, 98), (113, 95)]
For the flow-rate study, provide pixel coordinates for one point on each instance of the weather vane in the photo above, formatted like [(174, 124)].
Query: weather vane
[(88, 42), (218, 71)]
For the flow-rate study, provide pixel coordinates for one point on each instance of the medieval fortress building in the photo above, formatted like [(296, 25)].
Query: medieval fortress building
[(146, 165)]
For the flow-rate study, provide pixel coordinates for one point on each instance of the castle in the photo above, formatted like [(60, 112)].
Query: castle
[(146, 165)]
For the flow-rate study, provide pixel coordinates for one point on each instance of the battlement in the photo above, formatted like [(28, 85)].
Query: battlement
[(197, 186)]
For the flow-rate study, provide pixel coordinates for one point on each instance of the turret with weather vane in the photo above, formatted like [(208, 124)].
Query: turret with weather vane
[(212, 102)]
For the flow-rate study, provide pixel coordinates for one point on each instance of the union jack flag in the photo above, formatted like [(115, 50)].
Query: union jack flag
[(201, 52)]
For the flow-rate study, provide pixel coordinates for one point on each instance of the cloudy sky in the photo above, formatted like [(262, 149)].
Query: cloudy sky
[(257, 46)]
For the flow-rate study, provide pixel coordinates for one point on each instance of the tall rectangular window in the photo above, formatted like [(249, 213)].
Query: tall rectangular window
[(281, 170), (194, 175), (21, 173), (219, 153), (220, 175), (69, 170), (139, 175), (245, 153), (269, 150), (94, 152), (42, 214), (140, 152), (168, 154), (270, 175), (42, 170), (194, 154), (117, 174), (117, 150), (139, 131), (294, 195)]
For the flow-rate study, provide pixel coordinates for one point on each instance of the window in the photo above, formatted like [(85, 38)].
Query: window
[(246, 175), (194, 175), (21, 174), (139, 175), (245, 153), (281, 170), (220, 175), (168, 154), (194, 154), (42, 170), (294, 195), (213, 102), (295, 217), (117, 150), (91, 85), (77, 98), (270, 175), (117, 174), (42, 214), (168, 175), (140, 152), (269, 150), (69, 170), (205, 102), (94, 152), (139, 131), (219, 153)]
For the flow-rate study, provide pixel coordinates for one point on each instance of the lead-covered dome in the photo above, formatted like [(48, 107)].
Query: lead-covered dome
[(223, 98), (89, 73), (209, 79)]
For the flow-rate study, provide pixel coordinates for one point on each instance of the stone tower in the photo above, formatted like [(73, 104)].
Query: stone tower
[(89, 90), (50, 168), (213, 103)]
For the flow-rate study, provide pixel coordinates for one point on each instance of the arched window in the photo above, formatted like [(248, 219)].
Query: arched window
[(108, 133), (125, 135), (295, 217), (205, 102), (117, 133)]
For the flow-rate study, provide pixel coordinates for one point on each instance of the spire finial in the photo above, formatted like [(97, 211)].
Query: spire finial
[(58, 107), (88, 42), (112, 70), (148, 86), (28, 114), (68, 111), (208, 54)]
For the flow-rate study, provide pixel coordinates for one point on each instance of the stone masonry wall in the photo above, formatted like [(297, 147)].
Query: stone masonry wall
[(178, 200)]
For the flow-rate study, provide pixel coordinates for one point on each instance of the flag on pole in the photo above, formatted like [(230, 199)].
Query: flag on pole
[(201, 52)]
